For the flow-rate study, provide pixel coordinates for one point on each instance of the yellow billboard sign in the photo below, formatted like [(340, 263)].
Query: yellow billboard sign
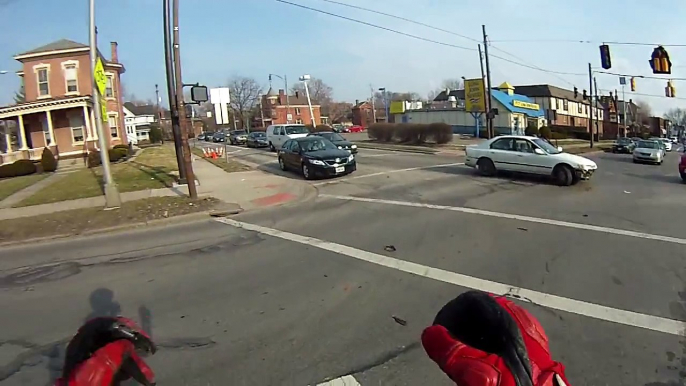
[(526, 105), (474, 95), (397, 107)]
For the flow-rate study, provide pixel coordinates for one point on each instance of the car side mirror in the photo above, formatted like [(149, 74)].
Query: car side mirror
[(539, 151)]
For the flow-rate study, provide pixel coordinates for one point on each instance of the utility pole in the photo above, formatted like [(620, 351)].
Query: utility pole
[(489, 116), (181, 108), (372, 100), (626, 125), (112, 199), (595, 102), (487, 101), (171, 89), (590, 91)]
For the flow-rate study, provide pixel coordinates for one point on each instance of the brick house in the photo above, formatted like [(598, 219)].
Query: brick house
[(363, 113), (57, 111), (276, 107)]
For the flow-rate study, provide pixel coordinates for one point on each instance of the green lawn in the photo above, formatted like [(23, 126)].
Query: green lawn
[(150, 170), (229, 166), (9, 186)]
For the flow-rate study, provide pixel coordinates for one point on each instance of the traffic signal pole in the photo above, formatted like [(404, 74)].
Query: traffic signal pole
[(590, 102), (489, 116)]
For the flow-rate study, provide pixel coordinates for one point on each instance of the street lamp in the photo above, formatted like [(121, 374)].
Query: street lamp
[(385, 100), (304, 79), (285, 86), (2, 72)]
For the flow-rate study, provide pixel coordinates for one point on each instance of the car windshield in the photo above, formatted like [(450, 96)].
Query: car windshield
[(238, 132), (332, 136), (296, 130), (259, 134), (316, 144), (624, 141), (546, 146), (648, 145)]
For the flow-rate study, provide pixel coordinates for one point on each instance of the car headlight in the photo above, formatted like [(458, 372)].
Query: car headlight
[(353, 146), (316, 162), (340, 147), (351, 158)]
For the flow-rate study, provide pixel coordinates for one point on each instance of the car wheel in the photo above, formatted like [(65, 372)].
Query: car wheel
[(563, 175), (683, 177), (307, 173), (575, 178), (282, 164), (271, 147), (486, 167)]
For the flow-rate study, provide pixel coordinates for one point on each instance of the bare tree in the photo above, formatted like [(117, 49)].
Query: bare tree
[(677, 116), (339, 111), (245, 94), (644, 111), (320, 92), (453, 84)]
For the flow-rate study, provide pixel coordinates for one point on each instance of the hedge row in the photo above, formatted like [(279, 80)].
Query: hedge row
[(414, 133), (22, 167), (117, 153)]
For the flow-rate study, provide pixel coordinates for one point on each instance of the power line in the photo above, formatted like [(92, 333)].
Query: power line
[(420, 37), (637, 76), (646, 95), (524, 64), (585, 42)]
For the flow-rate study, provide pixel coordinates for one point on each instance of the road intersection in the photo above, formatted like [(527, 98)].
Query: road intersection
[(315, 292)]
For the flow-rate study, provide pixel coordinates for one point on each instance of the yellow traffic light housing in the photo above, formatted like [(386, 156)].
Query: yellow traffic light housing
[(633, 84), (659, 61), (672, 90)]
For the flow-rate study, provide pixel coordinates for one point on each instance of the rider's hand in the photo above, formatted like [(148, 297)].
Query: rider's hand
[(104, 353), (479, 339)]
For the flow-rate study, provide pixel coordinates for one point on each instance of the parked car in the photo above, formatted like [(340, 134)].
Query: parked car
[(277, 135), (219, 137), (356, 129), (623, 145), (674, 140), (531, 155), (337, 140), (667, 143), (649, 151), (201, 136), (238, 137), (315, 156), (257, 139), (682, 167)]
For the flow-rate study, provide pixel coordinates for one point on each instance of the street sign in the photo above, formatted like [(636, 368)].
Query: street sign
[(100, 77), (622, 80), (103, 109)]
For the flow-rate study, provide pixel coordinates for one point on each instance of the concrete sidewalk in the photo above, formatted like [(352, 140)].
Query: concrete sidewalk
[(249, 190)]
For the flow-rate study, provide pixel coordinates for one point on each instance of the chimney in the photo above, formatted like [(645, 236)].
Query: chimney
[(297, 95), (281, 92), (115, 56), (357, 102)]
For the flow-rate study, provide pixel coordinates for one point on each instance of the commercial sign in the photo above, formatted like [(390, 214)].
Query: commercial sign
[(526, 105), (397, 107), (474, 95)]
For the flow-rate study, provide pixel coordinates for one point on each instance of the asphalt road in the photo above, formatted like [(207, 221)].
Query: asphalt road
[(306, 293)]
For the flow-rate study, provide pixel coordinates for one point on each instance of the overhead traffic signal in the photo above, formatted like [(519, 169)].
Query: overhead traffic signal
[(659, 61), (584, 95), (633, 84), (670, 91), (576, 92), (605, 59)]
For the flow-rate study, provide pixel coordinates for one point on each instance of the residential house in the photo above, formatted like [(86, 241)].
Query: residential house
[(57, 111), (138, 120), (565, 111), (277, 107), (363, 114)]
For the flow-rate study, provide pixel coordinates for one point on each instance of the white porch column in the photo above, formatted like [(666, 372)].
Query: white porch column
[(48, 116), (87, 119), (22, 133), (8, 141)]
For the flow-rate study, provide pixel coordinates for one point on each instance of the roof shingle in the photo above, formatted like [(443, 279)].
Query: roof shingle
[(59, 45)]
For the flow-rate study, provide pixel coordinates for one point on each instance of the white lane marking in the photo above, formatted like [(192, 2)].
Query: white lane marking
[(347, 380), (387, 172), (588, 227), (629, 318)]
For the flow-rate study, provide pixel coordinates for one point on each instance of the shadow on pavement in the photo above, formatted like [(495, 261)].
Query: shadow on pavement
[(502, 175)]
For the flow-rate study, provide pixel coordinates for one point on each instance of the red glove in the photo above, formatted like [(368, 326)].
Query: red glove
[(479, 339), (103, 353)]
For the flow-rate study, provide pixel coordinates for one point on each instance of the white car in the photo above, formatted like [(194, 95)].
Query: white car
[(649, 151), (277, 135), (532, 155), (668, 144)]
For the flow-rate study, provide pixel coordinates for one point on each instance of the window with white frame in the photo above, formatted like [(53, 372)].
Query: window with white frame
[(77, 128), (565, 105), (298, 121), (71, 77), (112, 122), (43, 83), (297, 111), (580, 108), (109, 89)]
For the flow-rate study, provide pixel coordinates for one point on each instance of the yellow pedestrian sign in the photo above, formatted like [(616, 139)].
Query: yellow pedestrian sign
[(100, 77), (103, 109)]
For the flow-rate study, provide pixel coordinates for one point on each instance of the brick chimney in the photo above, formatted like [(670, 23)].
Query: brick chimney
[(281, 92), (115, 56)]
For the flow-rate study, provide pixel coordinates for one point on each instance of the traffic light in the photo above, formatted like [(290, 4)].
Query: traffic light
[(576, 92), (584, 95), (633, 84), (605, 59), (670, 91), (659, 61)]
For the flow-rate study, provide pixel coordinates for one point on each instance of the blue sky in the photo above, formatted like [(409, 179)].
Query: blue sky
[(225, 38)]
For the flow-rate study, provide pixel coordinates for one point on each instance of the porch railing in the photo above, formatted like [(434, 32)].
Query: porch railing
[(31, 154)]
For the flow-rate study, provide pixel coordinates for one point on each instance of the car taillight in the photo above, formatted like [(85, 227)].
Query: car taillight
[(683, 160)]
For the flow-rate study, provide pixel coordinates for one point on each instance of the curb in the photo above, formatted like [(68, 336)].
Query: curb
[(191, 217), (365, 145)]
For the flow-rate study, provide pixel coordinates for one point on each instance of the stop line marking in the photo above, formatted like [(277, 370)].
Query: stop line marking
[(347, 380), (592, 310)]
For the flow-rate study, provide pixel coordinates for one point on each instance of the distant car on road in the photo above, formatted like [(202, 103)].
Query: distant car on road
[(337, 140), (201, 136), (667, 143), (356, 129), (277, 135), (238, 137), (649, 151), (531, 155), (219, 137), (623, 145), (314, 157), (257, 139), (682, 167)]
